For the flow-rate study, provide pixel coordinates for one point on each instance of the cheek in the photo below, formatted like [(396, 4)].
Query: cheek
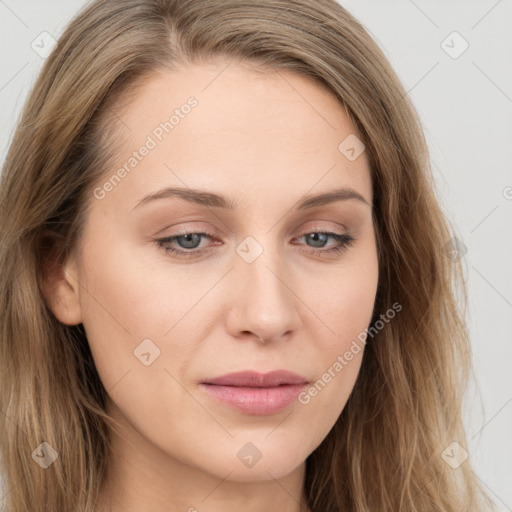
[(131, 289), (347, 297), (126, 299), (345, 308)]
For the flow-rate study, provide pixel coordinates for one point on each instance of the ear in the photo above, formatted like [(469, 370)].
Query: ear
[(61, 287)]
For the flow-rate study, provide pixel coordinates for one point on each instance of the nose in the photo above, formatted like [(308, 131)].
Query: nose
[(263, 305)]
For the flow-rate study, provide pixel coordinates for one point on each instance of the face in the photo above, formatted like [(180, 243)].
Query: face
[(177, 289)]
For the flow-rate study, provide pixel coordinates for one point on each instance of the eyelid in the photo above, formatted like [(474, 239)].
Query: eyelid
[(321, 226)]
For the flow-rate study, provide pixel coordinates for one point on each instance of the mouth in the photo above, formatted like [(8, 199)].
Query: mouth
[(256, 393)]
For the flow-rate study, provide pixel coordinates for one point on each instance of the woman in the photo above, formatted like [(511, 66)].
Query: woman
[(226, 282)]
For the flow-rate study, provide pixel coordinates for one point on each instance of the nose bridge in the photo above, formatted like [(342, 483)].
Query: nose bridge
[(263, 299)]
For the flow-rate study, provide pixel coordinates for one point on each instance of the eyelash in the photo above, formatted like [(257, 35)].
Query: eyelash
[(345, 241)]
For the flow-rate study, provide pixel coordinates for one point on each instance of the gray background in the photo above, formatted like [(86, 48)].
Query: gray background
[(465, 104)]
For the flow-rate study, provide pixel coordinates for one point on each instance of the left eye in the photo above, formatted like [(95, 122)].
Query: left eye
[(191, 241), (186, 241)]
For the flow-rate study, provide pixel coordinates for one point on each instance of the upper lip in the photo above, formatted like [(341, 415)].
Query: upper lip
[(257, 380)]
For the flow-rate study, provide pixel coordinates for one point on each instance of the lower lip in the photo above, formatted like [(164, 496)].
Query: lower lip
[(255, 400)]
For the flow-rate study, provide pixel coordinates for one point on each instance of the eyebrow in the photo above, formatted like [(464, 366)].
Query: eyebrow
[(210, 199)]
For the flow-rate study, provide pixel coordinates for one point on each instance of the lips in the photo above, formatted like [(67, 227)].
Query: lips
[(253, 379), (256, 393)]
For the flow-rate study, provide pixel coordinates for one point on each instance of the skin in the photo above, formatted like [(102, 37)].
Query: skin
[(265, 141)]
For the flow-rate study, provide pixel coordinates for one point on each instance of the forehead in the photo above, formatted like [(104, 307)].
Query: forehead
[(226, 127)]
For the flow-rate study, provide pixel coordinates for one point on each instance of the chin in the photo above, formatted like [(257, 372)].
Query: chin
[(246, 464)]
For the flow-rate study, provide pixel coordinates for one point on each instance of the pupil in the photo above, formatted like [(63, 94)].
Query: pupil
[(190, 238), (315, 237)]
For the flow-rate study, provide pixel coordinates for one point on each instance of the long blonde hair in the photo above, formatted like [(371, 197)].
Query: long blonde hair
[(385, 451)]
